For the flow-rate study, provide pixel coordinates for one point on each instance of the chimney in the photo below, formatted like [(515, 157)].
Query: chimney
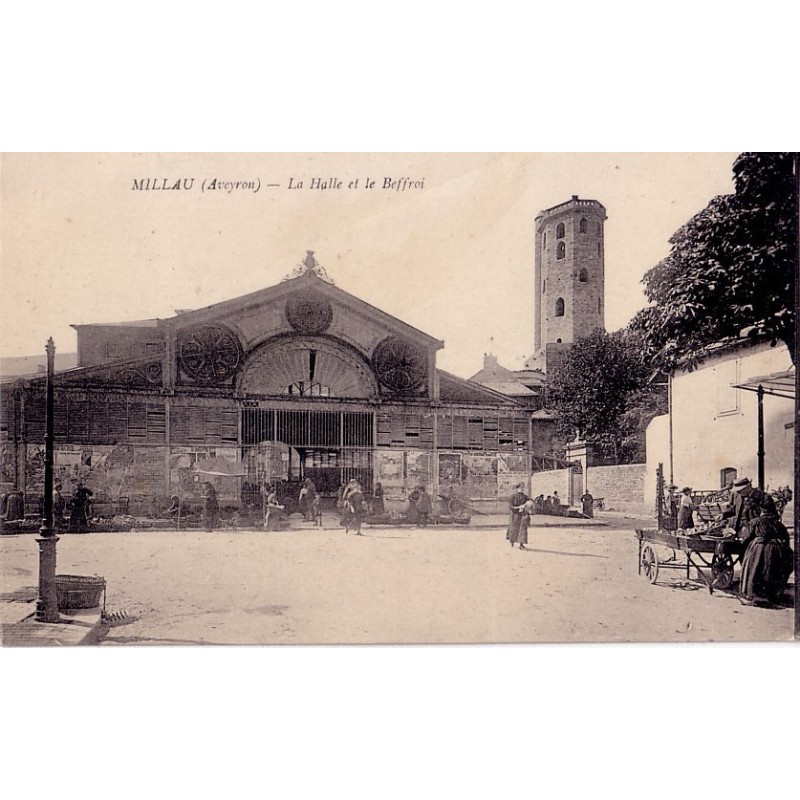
[(490, 362)]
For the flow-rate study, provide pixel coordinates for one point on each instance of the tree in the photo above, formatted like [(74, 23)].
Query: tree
[(732, 267), (596, 389)]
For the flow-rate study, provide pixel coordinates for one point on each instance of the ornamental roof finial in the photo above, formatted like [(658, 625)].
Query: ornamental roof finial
[(309, 266)]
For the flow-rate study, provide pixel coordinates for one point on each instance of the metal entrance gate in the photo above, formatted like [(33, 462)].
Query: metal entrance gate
[(330, 447)]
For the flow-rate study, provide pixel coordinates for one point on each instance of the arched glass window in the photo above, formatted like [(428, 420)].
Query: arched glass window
[(598, 248), (584, 225), (544, 240), (561, 250), (598, 305), (583, 275), (544, 285), (560, 230), (599, 228), (560, 307)]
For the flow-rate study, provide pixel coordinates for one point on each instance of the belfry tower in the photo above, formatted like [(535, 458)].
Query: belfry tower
[(569, 277)]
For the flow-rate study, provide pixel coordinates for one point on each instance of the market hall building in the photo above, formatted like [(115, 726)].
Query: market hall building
[(298, 380)]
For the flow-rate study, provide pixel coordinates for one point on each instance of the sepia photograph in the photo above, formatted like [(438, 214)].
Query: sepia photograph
[(398, 402), (386, 398)]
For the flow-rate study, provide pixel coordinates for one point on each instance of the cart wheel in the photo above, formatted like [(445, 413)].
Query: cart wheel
[(721, 571), (650, 563)]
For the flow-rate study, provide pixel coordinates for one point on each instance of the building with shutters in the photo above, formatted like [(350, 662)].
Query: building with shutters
[(298, 380)]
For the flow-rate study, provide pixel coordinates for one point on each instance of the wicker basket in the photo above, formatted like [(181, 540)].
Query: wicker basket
[(79, 591)]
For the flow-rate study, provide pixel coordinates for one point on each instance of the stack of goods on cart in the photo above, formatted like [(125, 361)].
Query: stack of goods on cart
[(711, 507)]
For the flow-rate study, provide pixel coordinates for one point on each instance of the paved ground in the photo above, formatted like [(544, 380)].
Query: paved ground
[(576, 583)]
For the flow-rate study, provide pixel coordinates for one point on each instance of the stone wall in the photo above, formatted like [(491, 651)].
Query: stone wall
[(621, 487), (554, 480)]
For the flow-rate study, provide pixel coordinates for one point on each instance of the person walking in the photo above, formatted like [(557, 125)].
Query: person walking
[(210, 507), (79, 516), (354, 508), (424, 507), (515, 504), (273, 510), (59, 505), (587, 504)]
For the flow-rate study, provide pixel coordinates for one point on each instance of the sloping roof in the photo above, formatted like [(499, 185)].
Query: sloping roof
[(780, 384), (285, 288), (135, 323), (458, 390), (31, 366), (510, 387)]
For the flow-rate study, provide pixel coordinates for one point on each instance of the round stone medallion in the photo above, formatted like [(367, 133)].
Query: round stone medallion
[(400, 365), (209, 353), (309, 313)]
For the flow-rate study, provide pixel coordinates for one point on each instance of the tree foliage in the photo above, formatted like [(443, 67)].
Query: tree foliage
[(597, 389), (731, 267)]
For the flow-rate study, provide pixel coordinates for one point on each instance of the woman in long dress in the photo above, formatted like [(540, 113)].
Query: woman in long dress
[(273, 511), (354, 510), (378, 508), (767, 564), (210, 507), (686, 510), (515, 504)]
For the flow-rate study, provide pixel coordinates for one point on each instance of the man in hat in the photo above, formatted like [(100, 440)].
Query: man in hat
[(747, 503)]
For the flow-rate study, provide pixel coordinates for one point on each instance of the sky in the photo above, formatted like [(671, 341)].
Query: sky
[(452, 254)]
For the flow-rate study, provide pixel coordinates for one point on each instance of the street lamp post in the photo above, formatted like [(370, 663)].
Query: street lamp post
[(47, 601)]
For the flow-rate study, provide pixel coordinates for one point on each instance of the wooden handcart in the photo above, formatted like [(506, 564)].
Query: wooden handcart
[(699, 550)]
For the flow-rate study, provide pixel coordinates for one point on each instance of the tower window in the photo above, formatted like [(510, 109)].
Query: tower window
[(560, 307), (584, 225), (598, 248), (560, 230), (598, 305), (544, 285), (561, 250), (599, 228), (544, 240), (583, 275)]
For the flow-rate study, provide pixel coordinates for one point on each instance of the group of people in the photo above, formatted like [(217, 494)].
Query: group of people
[(548, 505), (80, 501), (420, 506)]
